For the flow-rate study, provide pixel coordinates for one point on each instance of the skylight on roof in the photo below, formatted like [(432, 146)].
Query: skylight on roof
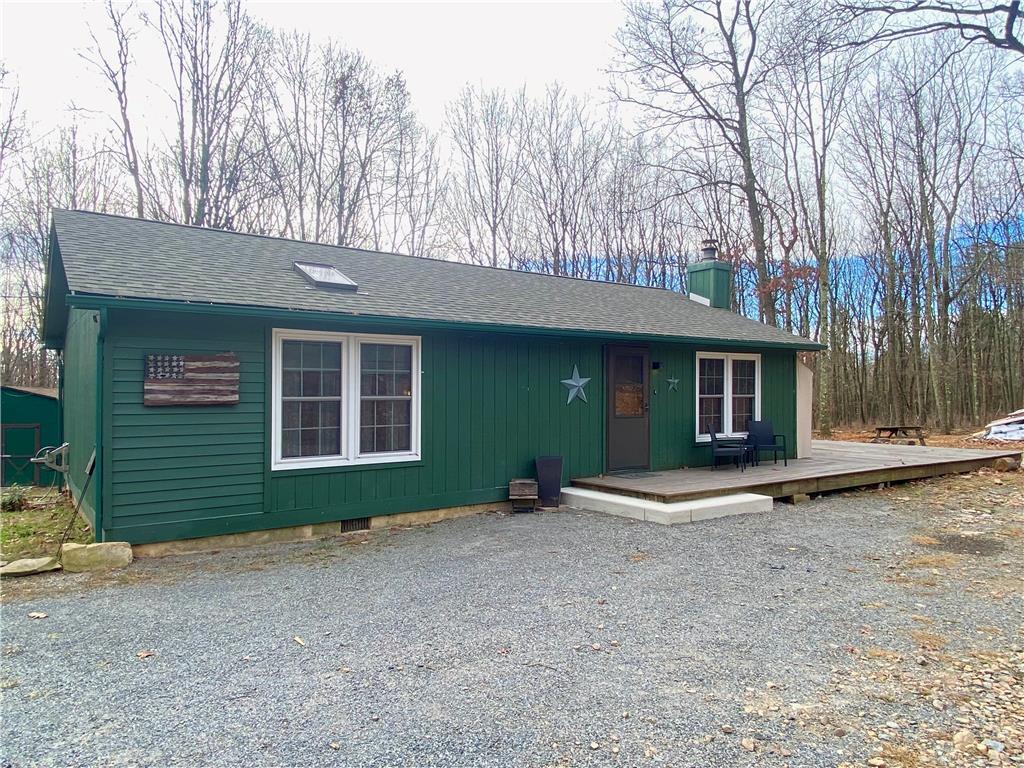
[(325, 275)]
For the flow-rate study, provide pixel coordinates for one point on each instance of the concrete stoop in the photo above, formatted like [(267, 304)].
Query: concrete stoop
[(665, 514)]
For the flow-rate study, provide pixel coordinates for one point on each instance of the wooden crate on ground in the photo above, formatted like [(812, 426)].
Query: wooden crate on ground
[(522, 492)]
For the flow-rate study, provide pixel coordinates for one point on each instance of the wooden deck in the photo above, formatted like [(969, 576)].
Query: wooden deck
[(832, 466)]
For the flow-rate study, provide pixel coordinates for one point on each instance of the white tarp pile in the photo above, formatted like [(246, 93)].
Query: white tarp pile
[(1008, 428)]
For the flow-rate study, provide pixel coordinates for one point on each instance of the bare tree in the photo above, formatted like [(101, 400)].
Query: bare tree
[(704, 61), (997, 25), (485, 128), (114, 69)]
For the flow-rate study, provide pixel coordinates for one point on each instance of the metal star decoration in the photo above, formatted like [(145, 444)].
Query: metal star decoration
[(575, 386), (673, 385)]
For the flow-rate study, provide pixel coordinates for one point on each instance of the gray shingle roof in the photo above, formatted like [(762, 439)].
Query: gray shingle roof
[(118, 256)]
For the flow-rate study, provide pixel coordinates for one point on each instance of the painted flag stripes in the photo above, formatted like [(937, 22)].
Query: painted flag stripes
[(191, 380)]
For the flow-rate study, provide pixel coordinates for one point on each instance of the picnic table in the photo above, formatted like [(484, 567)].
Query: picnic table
[(890, 432)]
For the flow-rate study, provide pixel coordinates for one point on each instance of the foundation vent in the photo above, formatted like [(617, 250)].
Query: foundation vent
[(356, 524)]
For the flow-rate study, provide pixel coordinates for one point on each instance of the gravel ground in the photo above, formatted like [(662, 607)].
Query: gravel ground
[(563, 638)]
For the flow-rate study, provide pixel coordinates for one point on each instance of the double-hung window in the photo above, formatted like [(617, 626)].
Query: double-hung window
[(342, 399), (728, 393)]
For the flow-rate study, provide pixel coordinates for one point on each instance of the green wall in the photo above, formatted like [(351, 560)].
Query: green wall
[(490, 404), (19, 407), (673, 440), (81, 349)]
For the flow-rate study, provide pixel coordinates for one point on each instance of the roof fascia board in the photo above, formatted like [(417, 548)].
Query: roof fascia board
[(96, 301)]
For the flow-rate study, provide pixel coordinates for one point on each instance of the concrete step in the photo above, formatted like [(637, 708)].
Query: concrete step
[(665, 514)]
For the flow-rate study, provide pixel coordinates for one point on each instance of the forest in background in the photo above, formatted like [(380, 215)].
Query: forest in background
[(862, 171)]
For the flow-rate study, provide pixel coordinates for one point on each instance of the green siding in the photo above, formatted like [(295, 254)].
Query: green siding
[(18, 407), (491, 402), (81, 347), (183, 465), (673, 412)]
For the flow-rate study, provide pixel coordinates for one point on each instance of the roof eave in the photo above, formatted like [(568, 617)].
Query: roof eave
[(95, 301)]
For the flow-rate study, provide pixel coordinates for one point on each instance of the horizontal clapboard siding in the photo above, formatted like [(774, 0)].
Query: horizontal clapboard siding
[(181, 464)]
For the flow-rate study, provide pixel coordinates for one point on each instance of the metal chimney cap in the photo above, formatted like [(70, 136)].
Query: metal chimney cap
[(709, 250)]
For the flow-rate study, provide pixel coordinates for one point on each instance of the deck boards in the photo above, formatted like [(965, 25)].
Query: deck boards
[(833, 465)]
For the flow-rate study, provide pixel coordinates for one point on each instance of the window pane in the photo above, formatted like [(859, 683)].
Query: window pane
[(330, 441), (311, 354), (401, 414), (710, 415), (290, 415), (310, 413), (331, 383), (290, 443), (629, 386), (310, 442), (292, 383), (712, 376), (403, 384), (744, 373), (332, 356), (292, 354), (330, 414), (366, 444), (742, 412), (311, 383)]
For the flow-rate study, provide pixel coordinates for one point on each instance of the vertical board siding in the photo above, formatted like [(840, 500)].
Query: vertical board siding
[(490, 403), (778, 394), (81, 346), (674, 413)]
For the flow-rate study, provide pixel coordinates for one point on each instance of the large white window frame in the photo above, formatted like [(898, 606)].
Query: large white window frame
[(351, 344), (728, 358)]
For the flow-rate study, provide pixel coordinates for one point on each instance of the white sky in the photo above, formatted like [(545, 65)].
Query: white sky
[(439, 47)]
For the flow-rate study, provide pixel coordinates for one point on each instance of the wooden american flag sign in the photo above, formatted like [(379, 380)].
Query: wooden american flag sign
[(191, 380)]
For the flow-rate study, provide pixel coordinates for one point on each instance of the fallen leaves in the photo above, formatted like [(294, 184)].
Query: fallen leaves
[(145, 654)]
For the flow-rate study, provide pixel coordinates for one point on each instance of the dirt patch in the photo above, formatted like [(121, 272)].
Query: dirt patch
[(964, 439), (969, 544)]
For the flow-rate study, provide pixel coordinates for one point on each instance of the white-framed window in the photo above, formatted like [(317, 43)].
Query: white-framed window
[(341, 399), (728, 393)]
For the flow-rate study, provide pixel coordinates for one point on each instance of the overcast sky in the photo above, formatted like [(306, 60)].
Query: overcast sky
[(439, 46)]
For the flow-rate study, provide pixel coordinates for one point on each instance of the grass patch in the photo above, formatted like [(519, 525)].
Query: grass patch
[(36, 529), (931, 641), (930, 561)]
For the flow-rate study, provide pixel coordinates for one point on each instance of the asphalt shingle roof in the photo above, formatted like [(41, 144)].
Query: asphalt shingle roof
[(117, 256)]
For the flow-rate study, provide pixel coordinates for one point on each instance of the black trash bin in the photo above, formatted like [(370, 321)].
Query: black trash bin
[(549, 480)]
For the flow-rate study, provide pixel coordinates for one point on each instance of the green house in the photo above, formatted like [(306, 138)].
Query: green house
[(219, 383), (29, 422)]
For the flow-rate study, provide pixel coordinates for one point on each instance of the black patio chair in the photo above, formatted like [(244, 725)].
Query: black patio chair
[(761, 437), (735, 451)]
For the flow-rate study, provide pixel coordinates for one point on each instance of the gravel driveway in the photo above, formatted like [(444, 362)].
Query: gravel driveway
[(561, 638)]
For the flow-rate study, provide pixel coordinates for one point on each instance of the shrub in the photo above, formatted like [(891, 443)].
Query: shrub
[(13, 499)]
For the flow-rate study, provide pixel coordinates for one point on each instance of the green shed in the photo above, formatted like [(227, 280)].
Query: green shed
[(29, 421), (229, 382)]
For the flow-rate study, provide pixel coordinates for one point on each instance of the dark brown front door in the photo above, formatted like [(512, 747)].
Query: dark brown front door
[(629, 441)]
